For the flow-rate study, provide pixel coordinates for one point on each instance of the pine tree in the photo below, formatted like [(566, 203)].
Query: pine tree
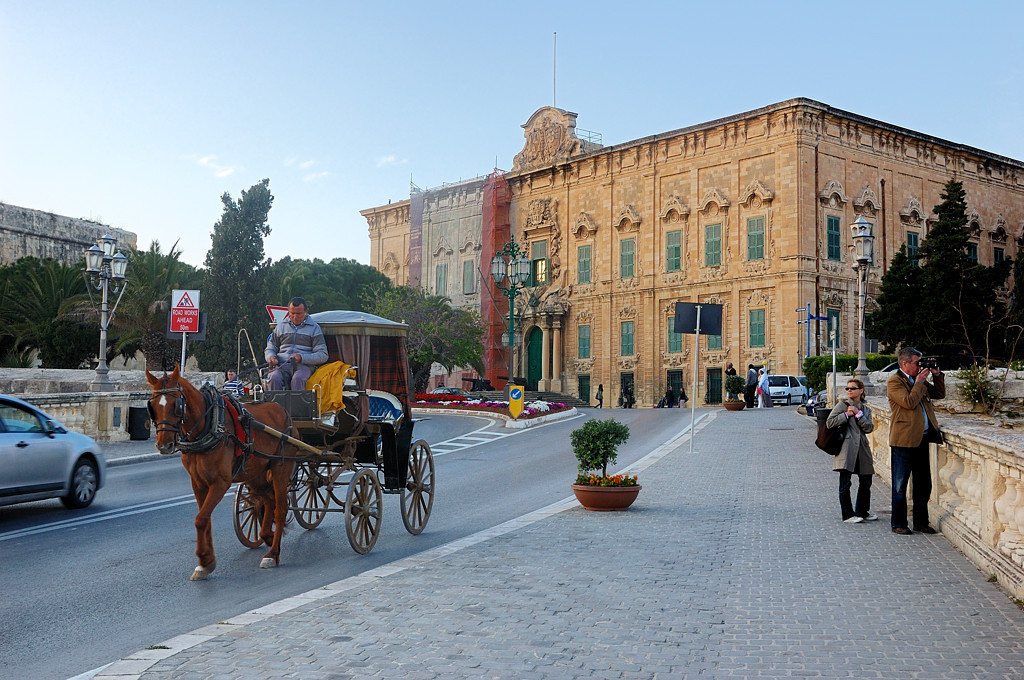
[(954, 305), (894, 323), (233, 294)]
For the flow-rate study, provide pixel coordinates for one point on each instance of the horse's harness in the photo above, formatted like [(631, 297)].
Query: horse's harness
[(210, 431)]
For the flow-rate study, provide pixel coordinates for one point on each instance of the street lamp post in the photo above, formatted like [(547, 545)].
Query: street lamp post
[(863, 246), (510, 267), (106, 271)]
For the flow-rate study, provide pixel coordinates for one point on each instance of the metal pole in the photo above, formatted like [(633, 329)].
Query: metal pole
[(807, 353), (183, 334), (511, 293), (696, 355), (862, 366), (102, 380)]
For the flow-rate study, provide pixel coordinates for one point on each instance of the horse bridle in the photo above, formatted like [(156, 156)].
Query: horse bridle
[(177, 427)]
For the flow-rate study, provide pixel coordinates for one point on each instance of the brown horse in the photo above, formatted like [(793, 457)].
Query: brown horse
[(181, 415)]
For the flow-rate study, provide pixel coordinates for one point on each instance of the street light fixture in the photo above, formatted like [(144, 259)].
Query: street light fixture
[(106, 270), (511, 267), (863, 247)]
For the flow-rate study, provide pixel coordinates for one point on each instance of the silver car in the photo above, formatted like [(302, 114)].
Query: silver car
[(40, 458), (786, 389)]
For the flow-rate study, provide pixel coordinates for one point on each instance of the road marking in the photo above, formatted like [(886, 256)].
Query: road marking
[(101, 517)]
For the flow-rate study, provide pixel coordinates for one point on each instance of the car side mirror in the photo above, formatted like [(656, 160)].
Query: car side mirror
[(49, 428)]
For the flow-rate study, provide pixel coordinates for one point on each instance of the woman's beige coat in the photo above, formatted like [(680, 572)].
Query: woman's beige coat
[(855, 445)]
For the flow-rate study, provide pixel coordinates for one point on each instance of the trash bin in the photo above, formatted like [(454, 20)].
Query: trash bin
[(138, 423)]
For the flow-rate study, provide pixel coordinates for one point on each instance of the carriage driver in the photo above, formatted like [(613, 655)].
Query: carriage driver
[(295, 348)]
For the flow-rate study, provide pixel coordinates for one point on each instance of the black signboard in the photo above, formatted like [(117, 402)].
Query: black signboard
[(710, 318)]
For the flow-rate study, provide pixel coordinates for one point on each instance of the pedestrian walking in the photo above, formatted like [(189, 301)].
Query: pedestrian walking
[(600, 396), (751, 386), (854, 415)]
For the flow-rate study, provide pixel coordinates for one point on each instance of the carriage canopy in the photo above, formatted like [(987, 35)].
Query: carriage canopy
[(375, 345)]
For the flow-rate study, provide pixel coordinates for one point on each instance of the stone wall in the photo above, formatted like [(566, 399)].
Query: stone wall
[(25, 232), (67, 396)]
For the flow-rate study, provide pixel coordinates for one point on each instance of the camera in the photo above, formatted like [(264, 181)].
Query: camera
[(928, 362)]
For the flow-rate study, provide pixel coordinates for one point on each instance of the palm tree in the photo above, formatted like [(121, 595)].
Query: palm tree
[(140, 321)]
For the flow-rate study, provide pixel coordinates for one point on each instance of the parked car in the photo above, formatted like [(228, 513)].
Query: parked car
[(816, 403), (41, 458), (786, 389), (449, 390), (807, 388)]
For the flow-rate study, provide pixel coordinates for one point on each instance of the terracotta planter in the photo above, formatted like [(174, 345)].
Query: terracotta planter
[(734, 405), (605, 497)]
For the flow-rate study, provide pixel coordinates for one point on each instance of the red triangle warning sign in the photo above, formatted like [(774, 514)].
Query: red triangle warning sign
[(185, 302)]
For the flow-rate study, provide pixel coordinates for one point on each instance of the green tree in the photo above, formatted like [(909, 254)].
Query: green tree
[(957, 305), (339, 284), (438, 332), (895, 323), (234, 290)]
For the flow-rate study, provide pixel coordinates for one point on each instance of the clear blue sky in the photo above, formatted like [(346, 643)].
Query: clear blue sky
[(141, 114)]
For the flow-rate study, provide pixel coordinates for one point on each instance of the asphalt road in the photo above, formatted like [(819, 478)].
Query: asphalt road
[(81, 589)]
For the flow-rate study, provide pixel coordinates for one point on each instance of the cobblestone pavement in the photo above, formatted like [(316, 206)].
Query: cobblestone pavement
[(732, 563)]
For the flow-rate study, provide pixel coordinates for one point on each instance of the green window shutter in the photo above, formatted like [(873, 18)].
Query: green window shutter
[(583, 264), (468, 278), (757, 336), (712, 245), (583, 342), (626, 339), (441, 280), (627, 255), (833, 237), (675, 340), (673, 251), (755, 238)]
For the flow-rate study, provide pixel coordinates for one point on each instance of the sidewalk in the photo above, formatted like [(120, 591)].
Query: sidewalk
[(732, 563), (125, 453)]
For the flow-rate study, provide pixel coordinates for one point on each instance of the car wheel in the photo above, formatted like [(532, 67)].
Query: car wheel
[(789, 400), (84, 483)]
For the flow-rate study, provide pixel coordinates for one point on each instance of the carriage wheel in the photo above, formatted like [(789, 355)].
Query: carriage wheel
[(311, 494), (248, 517), (418, 494), (364, 506)]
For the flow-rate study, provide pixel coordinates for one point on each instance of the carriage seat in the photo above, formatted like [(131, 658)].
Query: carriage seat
[(384, 407)]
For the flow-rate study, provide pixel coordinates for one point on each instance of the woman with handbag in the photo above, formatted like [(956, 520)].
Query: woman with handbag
[(854, 457)]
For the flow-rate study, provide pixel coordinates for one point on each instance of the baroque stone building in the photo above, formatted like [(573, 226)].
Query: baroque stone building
[(751, 212), (25, 232)]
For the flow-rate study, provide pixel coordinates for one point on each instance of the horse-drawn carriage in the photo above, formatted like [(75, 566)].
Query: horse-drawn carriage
[(348, 441)]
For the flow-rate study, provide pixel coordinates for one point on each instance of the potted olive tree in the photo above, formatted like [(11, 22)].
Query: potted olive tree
[(734, 384), (595, 445)]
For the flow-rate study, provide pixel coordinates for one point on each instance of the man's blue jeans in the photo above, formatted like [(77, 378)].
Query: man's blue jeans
[(910, 462)]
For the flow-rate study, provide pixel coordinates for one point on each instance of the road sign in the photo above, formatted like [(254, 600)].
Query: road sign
[(515, 401), (277, 314), (185, 311)]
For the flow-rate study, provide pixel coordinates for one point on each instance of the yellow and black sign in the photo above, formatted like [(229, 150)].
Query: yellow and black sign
[(515, 400)]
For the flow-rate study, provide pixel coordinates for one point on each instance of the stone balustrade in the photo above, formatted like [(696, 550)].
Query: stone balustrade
[(977, 496), (66, 395)]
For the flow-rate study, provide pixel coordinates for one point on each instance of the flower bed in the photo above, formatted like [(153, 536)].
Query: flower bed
[(457, 402)]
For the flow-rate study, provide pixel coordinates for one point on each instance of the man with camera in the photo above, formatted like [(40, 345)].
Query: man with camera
[(913, 428)]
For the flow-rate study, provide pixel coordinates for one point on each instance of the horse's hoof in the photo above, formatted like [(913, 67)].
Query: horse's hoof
[(268, 563), (200, 574)]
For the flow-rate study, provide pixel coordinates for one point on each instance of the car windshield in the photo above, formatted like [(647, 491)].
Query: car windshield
[(778, 381)]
